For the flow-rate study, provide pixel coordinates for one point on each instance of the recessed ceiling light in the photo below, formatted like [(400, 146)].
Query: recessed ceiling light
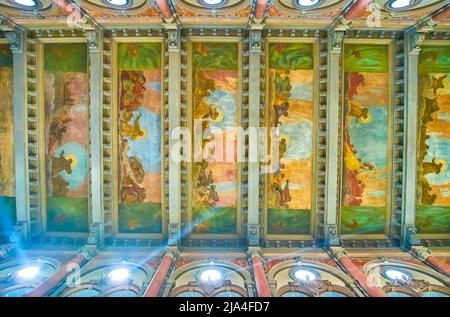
[(397, 5), (306, 4), (119, 275), (29, 272), (118, 3), (26, 3), (397, 275), (212, 3), (211, 275), (304, 275)]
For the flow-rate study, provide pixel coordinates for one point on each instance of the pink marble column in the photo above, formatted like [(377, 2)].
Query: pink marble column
[(441, 16), (356, 9), (262, 285), (439, 264), (260, 8), (164, 7), (158, 279)]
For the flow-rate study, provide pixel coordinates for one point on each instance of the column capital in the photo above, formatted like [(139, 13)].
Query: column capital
[(256, 36), (253, 234), (15, 40), (94, 235), (173, 36), (6, 24), (411, 238), (254, 252), (421, 252), (18, 233), (337, 38), (93, 40), (332, 235), (88, 251), (415, 41), (174, 234), (338, 252)]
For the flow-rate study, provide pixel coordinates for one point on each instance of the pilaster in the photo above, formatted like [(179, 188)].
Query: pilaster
[(174, 90), (254, 122)]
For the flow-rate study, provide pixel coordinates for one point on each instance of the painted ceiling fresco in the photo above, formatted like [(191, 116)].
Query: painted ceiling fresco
[(291, 111), (365, 189), (215, 107), (139, 148), (66, 104), (433, 184), (7, 169)]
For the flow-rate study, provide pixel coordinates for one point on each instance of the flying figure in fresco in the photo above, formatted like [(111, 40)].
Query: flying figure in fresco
[(127, 130), (358, 112), (433, 167), (60, 164), (206, 191), (57, 129), (280, 110)]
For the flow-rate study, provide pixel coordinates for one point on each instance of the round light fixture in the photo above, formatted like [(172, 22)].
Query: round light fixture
[(119, 3), (119, 275), (307, 4), (211, 275), (28, 272), (304, 275), (398, 5), (212, 3), (26, 3), (396, 275)]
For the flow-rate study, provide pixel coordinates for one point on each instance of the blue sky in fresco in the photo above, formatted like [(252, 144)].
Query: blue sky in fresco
[(302, 91), (299, 139), (227, 102), (370, 138), (79, 172), (148, 150)]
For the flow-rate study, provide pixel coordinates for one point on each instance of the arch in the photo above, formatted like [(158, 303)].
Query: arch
[(415, 287), (243, 273), (122, 288), (83, 287), (195, 265), (349, 289), (186, 288), (404, 265), (298, 289), (104, 291), (320, 266)]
